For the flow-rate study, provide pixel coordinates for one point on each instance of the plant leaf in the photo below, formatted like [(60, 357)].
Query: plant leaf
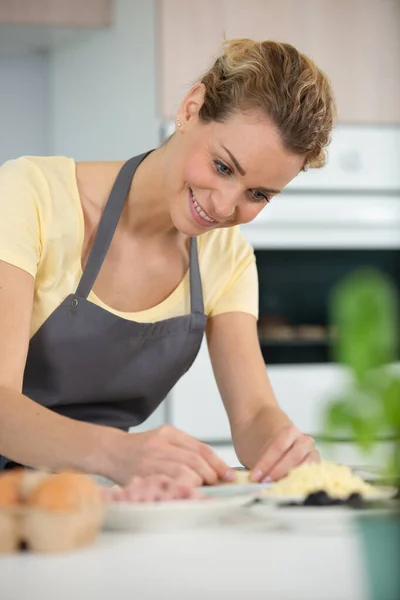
[(364, 312), (391, 403)]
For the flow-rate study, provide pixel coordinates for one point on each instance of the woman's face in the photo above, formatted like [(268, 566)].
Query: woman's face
[(224, 174)]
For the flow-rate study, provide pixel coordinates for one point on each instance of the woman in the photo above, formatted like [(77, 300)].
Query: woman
[(110, 273)]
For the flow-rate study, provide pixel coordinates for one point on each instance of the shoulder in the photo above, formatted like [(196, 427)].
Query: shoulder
[(31, 166), (35, 173), (229, 274), (227, 246)]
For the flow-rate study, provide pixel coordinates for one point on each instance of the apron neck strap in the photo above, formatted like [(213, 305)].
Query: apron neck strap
[(108, 224), (196, 291), (106, 229)]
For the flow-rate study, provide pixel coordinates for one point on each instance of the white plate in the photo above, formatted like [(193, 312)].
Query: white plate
[(320, 519), (167, 516), (231, 490), (328, 519), (382, 493)]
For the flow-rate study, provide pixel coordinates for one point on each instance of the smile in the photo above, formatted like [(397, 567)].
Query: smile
[(200, 210)]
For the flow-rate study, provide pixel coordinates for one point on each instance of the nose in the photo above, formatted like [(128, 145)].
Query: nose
[(225, 203)]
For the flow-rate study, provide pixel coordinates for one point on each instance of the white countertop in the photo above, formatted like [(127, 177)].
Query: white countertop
[(219, 563)]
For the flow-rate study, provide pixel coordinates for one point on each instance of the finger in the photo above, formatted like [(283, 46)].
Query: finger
[(182, 439), (116, 494), (141, 489), (133, 492), (161, 488), (312, 457), (296, 454), (152, 490), (193, 461), (223, 472), (186, 491), (156, 488), (274, 452), (178, 471)]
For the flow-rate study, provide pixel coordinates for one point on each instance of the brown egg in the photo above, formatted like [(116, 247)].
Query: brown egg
[(10, 504), (64, 491), (10, 482), (62, 512)]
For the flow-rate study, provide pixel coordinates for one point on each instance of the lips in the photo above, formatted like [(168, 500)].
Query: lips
[(201, 216)]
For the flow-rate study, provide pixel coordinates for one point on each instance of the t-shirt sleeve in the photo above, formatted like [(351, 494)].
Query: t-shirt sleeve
[(20, 243), (241, 290)]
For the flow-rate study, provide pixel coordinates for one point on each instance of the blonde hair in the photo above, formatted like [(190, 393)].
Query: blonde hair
[(282, 82)]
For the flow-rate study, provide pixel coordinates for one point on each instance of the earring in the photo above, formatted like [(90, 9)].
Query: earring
[(178, 122)]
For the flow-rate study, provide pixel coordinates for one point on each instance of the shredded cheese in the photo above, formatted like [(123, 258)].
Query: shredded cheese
[(336, 480)]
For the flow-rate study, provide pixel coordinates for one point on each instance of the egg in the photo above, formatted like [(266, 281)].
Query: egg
[(48, 512), (9, 510)]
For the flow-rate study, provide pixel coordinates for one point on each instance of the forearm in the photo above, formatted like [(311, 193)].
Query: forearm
[(250, 438), (37, 437)]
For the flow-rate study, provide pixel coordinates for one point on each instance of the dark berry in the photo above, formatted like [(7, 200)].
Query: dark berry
[(319, 498), (355, 500), (338, 501)]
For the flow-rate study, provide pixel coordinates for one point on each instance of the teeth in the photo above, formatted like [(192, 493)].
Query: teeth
[(200, 210)]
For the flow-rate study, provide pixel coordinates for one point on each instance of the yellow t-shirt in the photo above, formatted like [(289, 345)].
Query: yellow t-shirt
[(42, 229)]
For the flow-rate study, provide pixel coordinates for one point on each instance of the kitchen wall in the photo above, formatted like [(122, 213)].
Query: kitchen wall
[(90, 98), (24, 106), (103, 89)]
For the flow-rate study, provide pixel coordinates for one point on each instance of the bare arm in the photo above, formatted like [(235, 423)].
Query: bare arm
[(242, 379), (35, 436), (29, 433), (262, 433)]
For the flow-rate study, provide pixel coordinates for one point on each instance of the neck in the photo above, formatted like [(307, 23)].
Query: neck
[(146, 212)]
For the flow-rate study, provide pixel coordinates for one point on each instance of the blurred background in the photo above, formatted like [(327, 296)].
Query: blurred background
[(102, 80)]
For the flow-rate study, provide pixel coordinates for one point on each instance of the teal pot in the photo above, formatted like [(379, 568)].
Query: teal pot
[(379, 533)]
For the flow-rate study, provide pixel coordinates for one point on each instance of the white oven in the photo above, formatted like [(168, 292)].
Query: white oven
[(326, 223)]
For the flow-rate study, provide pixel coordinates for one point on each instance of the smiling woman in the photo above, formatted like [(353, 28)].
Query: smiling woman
[(110, 273)]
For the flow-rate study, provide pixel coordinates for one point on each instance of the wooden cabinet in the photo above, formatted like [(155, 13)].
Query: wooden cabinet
[(356, 42), (72, 13), (36, 26)]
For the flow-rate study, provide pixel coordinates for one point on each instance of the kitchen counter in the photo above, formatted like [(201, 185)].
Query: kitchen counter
[(236, 563)]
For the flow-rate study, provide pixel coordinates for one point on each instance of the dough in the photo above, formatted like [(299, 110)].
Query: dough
[(241, 478)]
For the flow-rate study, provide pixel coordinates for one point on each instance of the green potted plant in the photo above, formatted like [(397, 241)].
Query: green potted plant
[(365, 314)]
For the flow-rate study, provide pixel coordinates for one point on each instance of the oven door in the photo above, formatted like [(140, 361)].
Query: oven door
[(304, 247)]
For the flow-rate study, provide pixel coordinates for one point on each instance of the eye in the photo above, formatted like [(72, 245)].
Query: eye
[(258, 196), (222, 168)]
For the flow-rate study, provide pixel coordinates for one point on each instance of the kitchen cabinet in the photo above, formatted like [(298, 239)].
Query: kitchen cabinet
[(37, 26), (356, 42), (75, 13)]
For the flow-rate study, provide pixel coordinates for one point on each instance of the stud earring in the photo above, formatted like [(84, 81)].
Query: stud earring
[(178, 122)]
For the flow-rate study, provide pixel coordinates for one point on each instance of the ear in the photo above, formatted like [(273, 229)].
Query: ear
[(193, 101)]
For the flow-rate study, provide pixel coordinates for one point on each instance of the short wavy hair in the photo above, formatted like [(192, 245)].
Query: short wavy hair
[(285, 84)]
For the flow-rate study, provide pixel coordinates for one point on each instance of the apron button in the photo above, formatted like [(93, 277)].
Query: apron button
[(75, 302)]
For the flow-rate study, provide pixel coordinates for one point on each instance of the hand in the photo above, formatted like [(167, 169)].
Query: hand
[(288, 448), (152, 488), (168, 451)]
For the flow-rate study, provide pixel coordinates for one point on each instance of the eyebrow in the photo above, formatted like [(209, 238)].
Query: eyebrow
[(243, 172)]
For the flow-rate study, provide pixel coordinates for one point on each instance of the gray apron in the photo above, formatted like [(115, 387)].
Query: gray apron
[(88, 364)]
